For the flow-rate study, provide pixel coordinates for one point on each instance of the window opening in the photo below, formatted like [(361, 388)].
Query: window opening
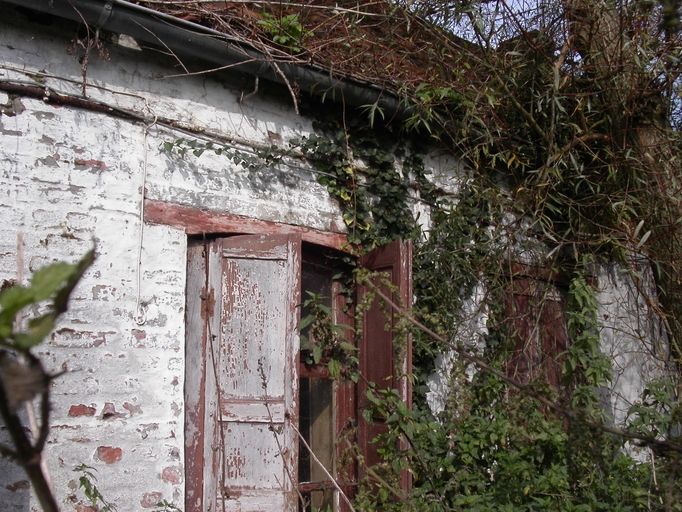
[(535, 312), (317, 404)]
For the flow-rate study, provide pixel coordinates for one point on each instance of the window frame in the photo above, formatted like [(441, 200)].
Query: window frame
[(344, 392)]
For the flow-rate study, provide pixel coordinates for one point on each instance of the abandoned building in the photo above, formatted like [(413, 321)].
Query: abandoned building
[(183, 378)]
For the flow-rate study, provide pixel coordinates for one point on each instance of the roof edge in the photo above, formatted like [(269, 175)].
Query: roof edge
[(193, 40)]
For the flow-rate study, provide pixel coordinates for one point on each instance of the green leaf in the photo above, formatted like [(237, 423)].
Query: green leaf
[(305, 322), (317, 353), (334, 367), (58, 281), (62, 297), (46, 281), (38, 329), (13, 300), (645, 237), (348, 347)]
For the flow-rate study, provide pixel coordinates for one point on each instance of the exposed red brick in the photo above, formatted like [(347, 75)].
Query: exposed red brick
[(67, 337), (82, 507), (151, 499), (81, 410), (109, 412), (109, 454), (171, 475), (132, 409), (90, 163), (21, 484), (139, 334), (145, 429)]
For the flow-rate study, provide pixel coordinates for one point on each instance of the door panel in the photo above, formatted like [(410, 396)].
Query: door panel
[(257, 371), (247, 334), (242, 382)]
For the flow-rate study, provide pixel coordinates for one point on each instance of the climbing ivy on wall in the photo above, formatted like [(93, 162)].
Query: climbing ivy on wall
[(361, 168), (373, 197), (494, 446)]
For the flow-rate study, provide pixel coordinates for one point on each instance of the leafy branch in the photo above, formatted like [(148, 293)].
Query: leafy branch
[(286, 31), (22, 376), (87, 482), (322, 340), (525, 388)]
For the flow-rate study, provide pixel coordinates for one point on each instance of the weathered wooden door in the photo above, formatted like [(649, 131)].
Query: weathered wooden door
[(242, 381), (244, 436)]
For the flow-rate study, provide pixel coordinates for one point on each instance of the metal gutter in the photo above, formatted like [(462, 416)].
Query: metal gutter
[(189, 39)]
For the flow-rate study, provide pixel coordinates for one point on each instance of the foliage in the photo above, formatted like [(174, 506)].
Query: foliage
[(493, 448), (267, 156), (322, 340), (569, 115), (22, 376), (54, 282), (586, 368), (166, 506), (374, 199), (285, 31), (508, 455), (87, 482)]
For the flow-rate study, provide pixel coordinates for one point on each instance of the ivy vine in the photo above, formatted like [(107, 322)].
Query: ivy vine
[(491, 444)]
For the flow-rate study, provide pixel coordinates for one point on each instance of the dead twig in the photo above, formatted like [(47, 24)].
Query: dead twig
[(319, 463)]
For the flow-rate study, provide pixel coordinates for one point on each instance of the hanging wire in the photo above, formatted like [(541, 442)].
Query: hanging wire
[(140, 309)]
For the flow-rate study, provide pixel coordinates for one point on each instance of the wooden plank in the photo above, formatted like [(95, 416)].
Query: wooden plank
[(214, 451), (380, 361), (202, 453), (195, 350), (538, 327), (253, 411), (254, 459), (345, 414), (262, 501), (195, 221)]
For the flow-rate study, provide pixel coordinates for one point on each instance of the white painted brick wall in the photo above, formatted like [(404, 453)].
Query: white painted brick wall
[(71, 178)]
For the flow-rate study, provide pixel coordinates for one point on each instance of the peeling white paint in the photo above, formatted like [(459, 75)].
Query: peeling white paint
[(70, 179)]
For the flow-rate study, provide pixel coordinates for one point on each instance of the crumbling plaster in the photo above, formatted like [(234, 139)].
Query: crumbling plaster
[(72, 178)]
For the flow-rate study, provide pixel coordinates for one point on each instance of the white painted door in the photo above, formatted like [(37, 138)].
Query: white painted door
[(250, 387)]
